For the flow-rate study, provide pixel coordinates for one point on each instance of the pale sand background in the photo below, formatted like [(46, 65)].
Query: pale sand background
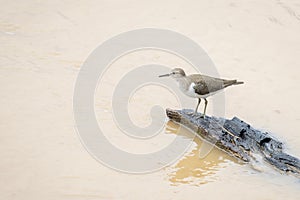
[(44, 43)]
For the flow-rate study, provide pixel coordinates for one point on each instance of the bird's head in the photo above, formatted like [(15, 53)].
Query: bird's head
[(175, 73)]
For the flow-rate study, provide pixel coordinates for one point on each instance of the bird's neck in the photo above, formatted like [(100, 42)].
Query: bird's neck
[(183, 83)]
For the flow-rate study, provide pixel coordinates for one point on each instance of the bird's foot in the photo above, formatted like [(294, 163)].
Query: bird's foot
[(198, 116), (195, 115)]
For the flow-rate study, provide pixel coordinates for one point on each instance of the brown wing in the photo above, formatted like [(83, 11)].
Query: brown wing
[(207, 84)]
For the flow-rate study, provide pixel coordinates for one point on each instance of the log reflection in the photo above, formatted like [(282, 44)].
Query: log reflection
[(192, 169)]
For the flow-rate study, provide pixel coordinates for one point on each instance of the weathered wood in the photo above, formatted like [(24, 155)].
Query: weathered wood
[(238, 139)]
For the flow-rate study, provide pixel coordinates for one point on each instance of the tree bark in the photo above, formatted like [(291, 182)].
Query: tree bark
[(239, 139)]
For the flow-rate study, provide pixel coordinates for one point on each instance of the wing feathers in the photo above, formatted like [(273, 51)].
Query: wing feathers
[(206, 84)]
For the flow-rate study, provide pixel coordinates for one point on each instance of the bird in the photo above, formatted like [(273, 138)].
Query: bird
[(199, 86)]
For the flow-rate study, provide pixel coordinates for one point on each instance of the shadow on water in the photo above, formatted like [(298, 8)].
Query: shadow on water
[(192, 169)]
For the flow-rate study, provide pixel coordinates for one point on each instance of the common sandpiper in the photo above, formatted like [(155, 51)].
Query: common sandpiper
[(199, 86)]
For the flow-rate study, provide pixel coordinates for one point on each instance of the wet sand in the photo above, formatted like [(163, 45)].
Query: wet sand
[(44, 44)]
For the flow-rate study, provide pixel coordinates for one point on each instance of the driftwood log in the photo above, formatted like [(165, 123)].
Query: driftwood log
[(239, 139)]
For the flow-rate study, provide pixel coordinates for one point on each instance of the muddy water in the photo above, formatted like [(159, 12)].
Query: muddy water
[(43, 45)]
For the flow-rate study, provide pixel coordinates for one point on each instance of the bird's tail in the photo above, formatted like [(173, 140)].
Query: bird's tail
[(232, 82), (238, 83)]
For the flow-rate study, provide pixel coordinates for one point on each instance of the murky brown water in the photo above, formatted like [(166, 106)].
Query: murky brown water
[(43, 45), (192, 169)]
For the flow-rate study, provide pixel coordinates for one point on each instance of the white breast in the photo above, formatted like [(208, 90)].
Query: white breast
[(191, 92)]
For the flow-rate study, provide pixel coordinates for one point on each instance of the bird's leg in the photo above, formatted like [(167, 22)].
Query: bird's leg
[(199, 100), (205, 108)]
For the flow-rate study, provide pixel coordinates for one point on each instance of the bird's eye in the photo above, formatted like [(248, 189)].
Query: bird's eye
[(173, 73)]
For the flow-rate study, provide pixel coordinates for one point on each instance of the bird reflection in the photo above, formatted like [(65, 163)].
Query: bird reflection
[(192, 169)]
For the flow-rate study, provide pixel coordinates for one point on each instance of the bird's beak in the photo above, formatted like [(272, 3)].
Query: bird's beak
[(163, 75)]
